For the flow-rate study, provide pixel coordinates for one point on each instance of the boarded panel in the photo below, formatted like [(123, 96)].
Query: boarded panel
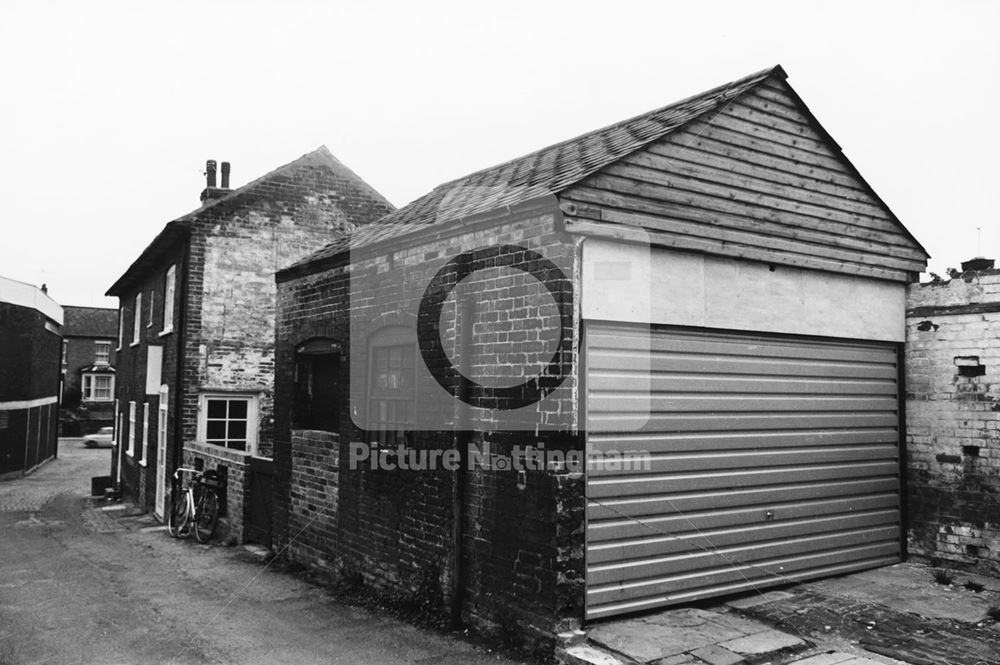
[(723, 462)]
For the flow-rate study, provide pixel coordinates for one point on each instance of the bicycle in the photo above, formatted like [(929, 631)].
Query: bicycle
[(196, 504)]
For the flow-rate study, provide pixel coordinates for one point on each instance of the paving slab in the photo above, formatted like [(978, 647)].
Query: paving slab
[(767, 641), (714, 654)]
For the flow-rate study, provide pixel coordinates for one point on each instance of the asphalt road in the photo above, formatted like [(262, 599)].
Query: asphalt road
[(78, 585)]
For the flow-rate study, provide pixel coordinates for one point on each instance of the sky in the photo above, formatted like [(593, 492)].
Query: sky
[(109, 110)]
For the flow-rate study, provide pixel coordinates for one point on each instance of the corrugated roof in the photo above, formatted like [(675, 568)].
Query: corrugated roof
[(89, 322), (546, 171)]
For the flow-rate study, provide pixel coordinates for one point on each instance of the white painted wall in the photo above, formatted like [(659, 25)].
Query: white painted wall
[(28, 295), (634, 283)]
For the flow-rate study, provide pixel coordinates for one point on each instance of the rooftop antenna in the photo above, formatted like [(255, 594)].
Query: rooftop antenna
[(979, 241)]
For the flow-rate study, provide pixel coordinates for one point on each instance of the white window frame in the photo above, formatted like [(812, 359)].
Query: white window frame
[(151, 306), (253, 424), (65, 350), (137, 319), (116, 438), (144, 460), (97, 359), (130, 451), (161, 417), (88, 387), (121, 324), (169, 286)]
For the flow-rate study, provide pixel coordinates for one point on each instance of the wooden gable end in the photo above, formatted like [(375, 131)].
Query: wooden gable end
[(757, 179)]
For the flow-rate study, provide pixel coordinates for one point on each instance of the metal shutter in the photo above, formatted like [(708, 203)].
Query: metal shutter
[(770, 459)]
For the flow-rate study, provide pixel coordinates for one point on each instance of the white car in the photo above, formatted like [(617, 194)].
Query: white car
[(102, 439)]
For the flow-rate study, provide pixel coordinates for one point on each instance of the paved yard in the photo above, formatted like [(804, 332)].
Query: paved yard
[(77, 587)]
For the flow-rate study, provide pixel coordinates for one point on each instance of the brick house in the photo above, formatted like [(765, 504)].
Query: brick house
[(710, 299), (30, 347), (88, 369), (195, 350), (953, 417)]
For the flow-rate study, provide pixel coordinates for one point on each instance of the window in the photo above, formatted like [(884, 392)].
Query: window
[(145, 434), (131, 430), (98, 387), (391, 386), (102, 353), (151, 306), (317, 387), (65, 359), (168, 300), (161, 422), (121, 326), (229, 421), (117, 433), (136, 318), (4, 419)]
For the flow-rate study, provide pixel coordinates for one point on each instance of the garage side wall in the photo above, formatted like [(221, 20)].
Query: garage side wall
[(953, 419), (523, 544)]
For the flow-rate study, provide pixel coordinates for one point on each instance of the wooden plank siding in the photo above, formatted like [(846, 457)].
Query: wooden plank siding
[(754, 180)]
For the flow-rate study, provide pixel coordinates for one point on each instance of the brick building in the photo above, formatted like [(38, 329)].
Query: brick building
[(953, 417), (195, 350), (30, 347), (706, 301), (88, 369)]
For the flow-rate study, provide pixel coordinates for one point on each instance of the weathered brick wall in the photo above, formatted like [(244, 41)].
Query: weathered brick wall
[(139, 481), (523, 534), (205, 456), (953, 419), (312, 500), (237, 247)]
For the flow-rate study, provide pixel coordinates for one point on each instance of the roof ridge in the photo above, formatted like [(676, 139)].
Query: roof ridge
[(763, 74)]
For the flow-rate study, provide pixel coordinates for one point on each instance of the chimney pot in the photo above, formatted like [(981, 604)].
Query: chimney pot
[(210, 172), (225, 175)]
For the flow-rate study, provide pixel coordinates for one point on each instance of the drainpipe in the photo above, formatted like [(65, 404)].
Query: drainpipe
[(465, 309)]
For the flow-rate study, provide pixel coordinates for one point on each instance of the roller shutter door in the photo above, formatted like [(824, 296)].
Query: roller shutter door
[(770, 459)]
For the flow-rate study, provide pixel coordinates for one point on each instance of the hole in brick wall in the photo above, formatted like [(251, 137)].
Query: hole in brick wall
[(969, 366), (924, 326), (970, 451), (772, 267), (972, 550)]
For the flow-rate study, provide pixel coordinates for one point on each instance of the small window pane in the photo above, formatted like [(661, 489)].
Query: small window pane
[(237, 408), (238, 429), (216, 408), (215, 430)]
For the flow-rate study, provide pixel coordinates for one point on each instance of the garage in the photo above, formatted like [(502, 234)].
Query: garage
[(755, 460)]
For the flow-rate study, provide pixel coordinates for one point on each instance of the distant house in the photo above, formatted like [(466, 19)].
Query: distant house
[(706, 302), (30, 345), (88, 368), (195, 341)]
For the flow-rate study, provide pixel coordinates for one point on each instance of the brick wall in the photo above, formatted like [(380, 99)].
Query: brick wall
[(312, 500), (953, 419), (523, 534), (204, 456)]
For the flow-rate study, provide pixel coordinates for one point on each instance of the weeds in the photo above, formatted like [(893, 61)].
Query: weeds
[(994, 613), (974, 587), (943, 577)]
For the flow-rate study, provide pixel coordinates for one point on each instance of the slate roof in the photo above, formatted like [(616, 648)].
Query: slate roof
[(89, 322), (546, 171), (178, 229)]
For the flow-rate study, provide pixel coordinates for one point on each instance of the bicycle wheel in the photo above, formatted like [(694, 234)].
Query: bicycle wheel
[(177, 520), (207, 515)]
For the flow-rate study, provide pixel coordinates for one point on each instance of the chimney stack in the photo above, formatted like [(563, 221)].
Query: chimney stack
[(210, 172), (211, 190)]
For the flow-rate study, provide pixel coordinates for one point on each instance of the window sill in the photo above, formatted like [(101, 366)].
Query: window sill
[(164, 333), (136, 343), (143, 463), (130, 453)]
